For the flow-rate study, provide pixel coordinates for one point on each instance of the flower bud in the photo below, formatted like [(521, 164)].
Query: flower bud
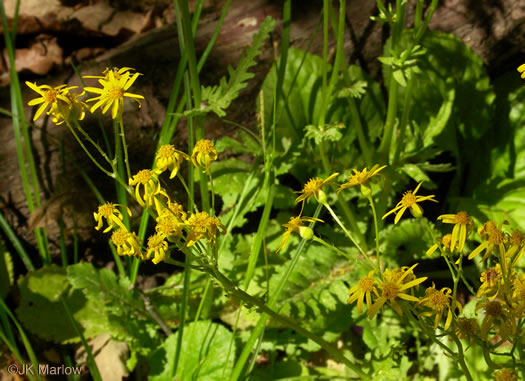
[(366, 190), (321, 197), (306, 233)]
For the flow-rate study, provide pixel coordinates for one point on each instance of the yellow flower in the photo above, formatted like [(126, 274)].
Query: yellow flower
[(49, 97), (494, 238), (409, 200), (127, 243), (203, 225), (521, 69), (117, 73), (203, 154), (497, 315), (463, 224), (169, 225), (295, 225), (440, 301), (113, 91), (169, 158), (157, 247), (150, 188), (314, 188), (505, 375), (111, 214), (491, 282), (393, 287), (363, 290), (62, 110), (445, 242), (361, 178), (466, 328)]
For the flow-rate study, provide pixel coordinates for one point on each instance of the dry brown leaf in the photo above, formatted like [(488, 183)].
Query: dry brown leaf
[(41, 56)]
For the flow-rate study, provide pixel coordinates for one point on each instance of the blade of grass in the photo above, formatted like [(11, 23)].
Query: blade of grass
[(92, 364), (16, 244), (25, 340)]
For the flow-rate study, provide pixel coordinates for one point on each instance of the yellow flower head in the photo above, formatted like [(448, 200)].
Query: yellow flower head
[(63, 111), (157, 247), (505, 375), (111, 214), (493, 237), (498, 316), (410, 200), (491, 282), (466, 328), (361, 178), (147, 180), (393, 287), (203, 154), (114, 86), (169, 158), (202, 225), (362, 290), (440, 301), (54, 97), (295, 225), (127, 243), (313, 188), (521, 70), (169, 225), (463, 225)]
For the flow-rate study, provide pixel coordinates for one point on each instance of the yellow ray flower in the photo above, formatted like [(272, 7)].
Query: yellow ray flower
[(498, 316), (393, 288), (440, 302), (203, 154), (111, 214), (49, 97), (127, 243), (363, 290), (495, 237), (466, 328), (147, 180), (361, 178), (505, 375), (113, 91), (463, 225), (169, 158), (313, 188), (295, 225), (202, 225), (410, 200), (491, 282), (157, 247)]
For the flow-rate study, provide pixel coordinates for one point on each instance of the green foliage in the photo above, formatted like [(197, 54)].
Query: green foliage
[(127, 317), (42, 313), (218, 98), (207, 359)]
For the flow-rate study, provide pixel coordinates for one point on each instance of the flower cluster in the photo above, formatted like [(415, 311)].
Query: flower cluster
[(173, 223), (63, 105)]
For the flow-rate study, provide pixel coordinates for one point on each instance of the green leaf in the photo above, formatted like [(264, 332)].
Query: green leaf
[(208, 345), (328, 132), (128, 319), (357, 90), (42, 312), (218, 98)]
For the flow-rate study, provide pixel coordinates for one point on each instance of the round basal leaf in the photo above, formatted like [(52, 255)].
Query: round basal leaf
[(41, 310), (208, 346)]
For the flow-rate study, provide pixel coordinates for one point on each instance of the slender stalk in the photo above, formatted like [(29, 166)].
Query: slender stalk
[(376, 229), (332, 247), (124, 147)]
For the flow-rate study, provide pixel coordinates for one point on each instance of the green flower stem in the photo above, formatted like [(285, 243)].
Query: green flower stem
[(124, 146), (250, 300), (121, 186), (261, 324), (99, 166), (334, 216), (332, 247), (378, 254), (93, 143)]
